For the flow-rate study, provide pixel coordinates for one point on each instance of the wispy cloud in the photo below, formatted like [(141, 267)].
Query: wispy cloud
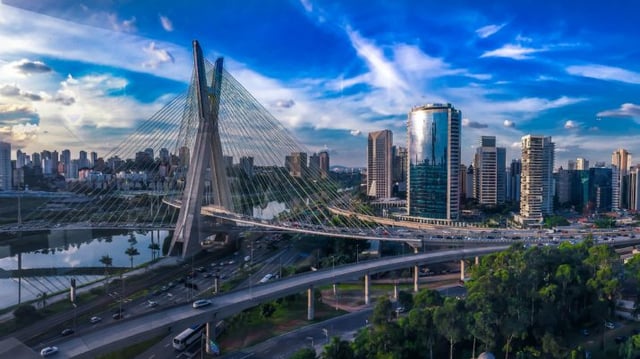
[(509, 124), (28, 67), (383, 73), (158, 55), (167, 25), (488, 30), (355, 132), (473, 124), (625, 110), (603, 72), (516, 52), (285, 103), (571, 125)]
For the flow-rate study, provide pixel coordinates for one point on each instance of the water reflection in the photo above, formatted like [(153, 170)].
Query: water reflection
[(68, 249)]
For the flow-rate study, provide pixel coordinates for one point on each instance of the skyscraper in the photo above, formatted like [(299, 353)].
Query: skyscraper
[(582, 164), (536, 187), (379, 166), (296, 164), (620, 161), (246, 164), (5, 166), (434, 160), (489, 172), (324, 164)]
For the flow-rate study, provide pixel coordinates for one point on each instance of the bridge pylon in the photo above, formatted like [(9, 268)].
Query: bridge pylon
[(207, 153)]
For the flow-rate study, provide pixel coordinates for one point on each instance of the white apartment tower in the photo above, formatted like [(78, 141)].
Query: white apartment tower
[(379, 164), (620, 161), (536, 183), (489, 172)]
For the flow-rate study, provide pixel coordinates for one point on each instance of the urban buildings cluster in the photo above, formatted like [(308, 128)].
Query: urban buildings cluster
[(428, 180), (148, 169)]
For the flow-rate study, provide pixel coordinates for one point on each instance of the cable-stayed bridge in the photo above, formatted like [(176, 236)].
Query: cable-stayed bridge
[(211, 159)]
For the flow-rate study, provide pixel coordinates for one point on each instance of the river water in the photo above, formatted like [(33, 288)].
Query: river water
[(65, 250)]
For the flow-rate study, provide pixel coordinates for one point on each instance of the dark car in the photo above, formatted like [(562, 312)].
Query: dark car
[(67, 331), (585, 332)]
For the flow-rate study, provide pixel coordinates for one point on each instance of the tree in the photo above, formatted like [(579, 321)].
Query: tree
[(107, 262), (405, 299), (304, 353), (131, 252), (382, 311), (426, 298), (450, 321), (155, 248), (337, 349), (26, 313), (43, 298)]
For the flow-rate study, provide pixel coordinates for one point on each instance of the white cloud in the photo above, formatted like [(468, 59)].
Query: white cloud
[(473, 124), (355, 132), (516, 52), (22, 34), (508, 123), (383, 72), (571, 125), (625, 110), (488, 30), (158, 55), (124, 25), (602, 72), (167, 25)]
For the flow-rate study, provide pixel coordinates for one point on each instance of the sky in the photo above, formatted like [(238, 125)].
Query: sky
[(84, 74)]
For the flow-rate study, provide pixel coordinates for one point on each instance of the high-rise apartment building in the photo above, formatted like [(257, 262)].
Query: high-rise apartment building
[(379, 164), (6, 174), (582, 164), (246, 165), (513, 180), (93, 156), (434, 162), (620, 161), (399, 173), (83, 160), (296, 164), (634, 188), (324, 164), (489, 172), (536, 182)]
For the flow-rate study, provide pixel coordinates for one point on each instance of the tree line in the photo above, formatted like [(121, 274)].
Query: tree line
[(525, 302)]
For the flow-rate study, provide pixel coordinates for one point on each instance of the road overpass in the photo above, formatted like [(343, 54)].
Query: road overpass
[(121, 334)]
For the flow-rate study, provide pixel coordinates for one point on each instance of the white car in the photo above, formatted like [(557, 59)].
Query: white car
[(151, 304), (201, 303), (95, 320), (48, 351)]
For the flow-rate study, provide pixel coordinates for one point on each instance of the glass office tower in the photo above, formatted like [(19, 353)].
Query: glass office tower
[(434, 159)]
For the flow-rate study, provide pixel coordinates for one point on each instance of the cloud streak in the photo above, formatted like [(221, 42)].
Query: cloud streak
[(488, 30), (603, 72), (511, 51)]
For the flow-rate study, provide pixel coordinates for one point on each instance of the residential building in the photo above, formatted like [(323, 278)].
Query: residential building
[(620, 162), (379, 164), (489, 172), (536, 187)]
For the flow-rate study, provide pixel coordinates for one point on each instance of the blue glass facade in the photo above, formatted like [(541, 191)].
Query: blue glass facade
[(434, 159)]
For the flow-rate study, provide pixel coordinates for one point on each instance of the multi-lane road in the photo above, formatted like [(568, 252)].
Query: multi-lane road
[(86, 344)]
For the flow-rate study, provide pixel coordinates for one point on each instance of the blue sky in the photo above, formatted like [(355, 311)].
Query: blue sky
[(331, 71)]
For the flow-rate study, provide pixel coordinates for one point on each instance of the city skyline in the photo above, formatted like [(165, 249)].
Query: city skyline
[(348, 71)]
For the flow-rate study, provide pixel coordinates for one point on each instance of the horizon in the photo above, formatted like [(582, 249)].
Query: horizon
[(330, 73)]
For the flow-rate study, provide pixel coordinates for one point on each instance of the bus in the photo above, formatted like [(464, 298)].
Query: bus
[(188, 337)]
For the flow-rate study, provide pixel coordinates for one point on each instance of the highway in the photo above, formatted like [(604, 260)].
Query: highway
[(117, 335)]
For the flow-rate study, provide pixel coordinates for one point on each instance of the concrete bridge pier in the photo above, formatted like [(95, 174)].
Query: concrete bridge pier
[(210, 333), (416, 272), (367, 297), (395, 290), (310, 303), (477, 260), (462, 269)]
